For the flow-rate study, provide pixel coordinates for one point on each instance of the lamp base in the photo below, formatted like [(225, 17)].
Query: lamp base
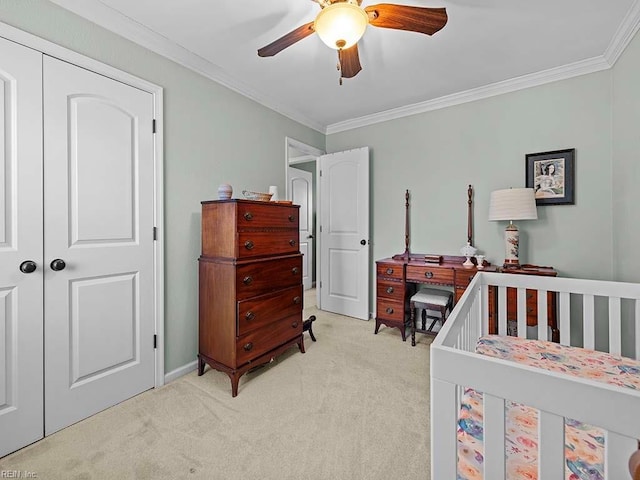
[(511, 246)]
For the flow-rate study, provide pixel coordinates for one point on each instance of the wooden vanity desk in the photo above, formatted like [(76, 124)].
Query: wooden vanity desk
[(398, 277)]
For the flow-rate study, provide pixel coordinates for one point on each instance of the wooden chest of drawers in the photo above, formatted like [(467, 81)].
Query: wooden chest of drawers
[(392, 295), (250, 274)]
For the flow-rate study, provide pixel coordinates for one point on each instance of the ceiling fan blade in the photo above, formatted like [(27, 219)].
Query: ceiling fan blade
[(287, 40), (349, 62), (403, 17)]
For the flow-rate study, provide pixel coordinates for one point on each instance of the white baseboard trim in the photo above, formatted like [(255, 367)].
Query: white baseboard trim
[(180, 371)]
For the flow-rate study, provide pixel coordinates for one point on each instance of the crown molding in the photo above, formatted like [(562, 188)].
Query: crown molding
[(625, 33), (499, 88), (114, 21)]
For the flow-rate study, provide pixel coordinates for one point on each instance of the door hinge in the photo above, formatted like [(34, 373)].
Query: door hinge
[(321, 284), (153, 126), (320, 228), (155, 341), (155, 233), (320, 172)]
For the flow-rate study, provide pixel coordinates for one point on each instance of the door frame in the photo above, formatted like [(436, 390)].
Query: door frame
[(49, 48), (311, 154)]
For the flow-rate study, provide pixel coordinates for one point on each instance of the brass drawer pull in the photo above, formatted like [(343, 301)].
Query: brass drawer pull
[(294, 324), (389, 271), (247, 280), (295, 270), (529, 296), (389, 289), (248, 216), (389, 310), (250, 316), (428, 274), (297, 300), (470, 277), (247, 347), (530, 310), (248, 245), (292, 218), (292, 242)]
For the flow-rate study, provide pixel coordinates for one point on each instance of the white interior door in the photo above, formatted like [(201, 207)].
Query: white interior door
[(98, 219), (344, 232), (301, 192), (21, 396)]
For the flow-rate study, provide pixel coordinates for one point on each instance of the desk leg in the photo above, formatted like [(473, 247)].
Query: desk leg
[(412, 320)]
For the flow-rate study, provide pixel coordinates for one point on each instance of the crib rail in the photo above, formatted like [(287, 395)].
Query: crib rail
[(596, 315)]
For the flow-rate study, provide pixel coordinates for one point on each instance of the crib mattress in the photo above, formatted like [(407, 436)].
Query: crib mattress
[(584, 444)]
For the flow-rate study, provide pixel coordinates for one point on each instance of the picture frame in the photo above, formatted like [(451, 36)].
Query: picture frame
[(552, 176)]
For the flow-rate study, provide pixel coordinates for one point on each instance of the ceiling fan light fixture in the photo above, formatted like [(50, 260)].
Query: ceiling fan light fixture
[(341, 25)]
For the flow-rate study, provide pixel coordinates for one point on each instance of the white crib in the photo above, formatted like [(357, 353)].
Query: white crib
[(454, 365)]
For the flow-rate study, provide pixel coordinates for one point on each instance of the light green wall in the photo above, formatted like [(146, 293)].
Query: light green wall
[(626, 163), (212, 135), (437, 154)]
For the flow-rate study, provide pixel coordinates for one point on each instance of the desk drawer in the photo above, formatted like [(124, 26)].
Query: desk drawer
[(390, 309), (464, 277), (429, 274), (390, 290), (389, 270)]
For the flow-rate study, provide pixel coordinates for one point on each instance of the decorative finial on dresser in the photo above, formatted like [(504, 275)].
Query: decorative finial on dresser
[(470, 216)]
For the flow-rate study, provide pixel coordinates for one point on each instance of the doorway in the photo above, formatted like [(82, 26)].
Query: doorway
[(301, 165)]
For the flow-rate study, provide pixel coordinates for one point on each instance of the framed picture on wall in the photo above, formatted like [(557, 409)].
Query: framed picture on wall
[(551, 175)]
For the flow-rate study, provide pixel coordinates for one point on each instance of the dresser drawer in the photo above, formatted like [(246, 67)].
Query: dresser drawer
[(255, 215), (257, 312), (389, 270), (260, 277), (390, 290), (430, 274), (390, 309), (254, 244), (263, 339)]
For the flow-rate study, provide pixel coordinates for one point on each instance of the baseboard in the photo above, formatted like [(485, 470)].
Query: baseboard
[(180, 371)]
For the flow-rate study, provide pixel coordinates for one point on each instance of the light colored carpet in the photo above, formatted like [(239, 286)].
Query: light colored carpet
[(355, 406)]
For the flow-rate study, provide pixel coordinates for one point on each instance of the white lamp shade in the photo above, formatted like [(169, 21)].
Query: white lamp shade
[(513, 204), (341, 25)]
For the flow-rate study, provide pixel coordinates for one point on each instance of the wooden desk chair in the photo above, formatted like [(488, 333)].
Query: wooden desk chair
[(429, 299)]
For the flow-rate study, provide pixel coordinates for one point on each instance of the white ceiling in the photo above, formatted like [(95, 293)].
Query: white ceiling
[(487, 47)]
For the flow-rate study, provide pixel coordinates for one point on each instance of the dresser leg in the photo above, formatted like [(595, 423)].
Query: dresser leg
[(235, 378), (375, 332), (301, 344)]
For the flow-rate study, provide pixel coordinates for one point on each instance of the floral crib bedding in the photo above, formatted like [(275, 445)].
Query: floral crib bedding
[(584, 444)]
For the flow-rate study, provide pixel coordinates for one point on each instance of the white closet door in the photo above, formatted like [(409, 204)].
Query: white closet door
[(98, 219), (21, 401)]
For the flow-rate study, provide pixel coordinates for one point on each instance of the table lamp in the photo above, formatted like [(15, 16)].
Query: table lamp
[(512, 204)]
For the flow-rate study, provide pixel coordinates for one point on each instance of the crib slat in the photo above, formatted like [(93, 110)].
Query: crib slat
[(443, 428), (565, 318), (484, 296), (522, 313), (502, 310), (543, 327), (494, 435), (551, 445), (618, 449), (615, 326), (588, 321), (637, 332)]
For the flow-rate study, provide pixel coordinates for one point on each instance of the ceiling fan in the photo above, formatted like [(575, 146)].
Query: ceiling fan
[(341, 23)]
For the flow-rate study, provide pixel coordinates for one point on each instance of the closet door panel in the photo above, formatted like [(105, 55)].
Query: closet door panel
[(21, 389), (98, 219)]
